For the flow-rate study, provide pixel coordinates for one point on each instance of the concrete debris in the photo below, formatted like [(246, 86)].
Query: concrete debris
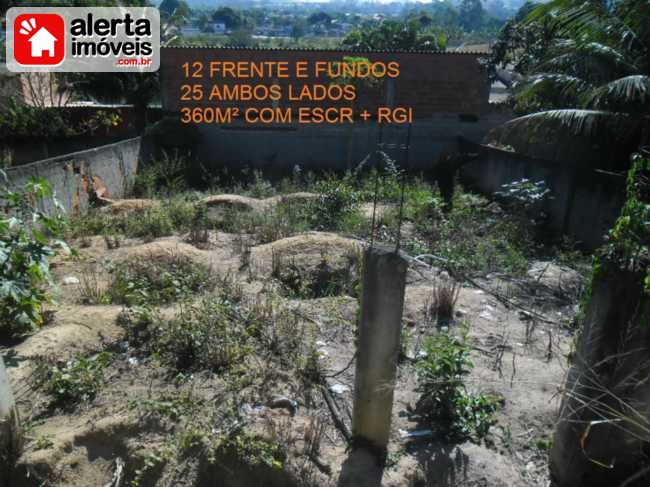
[(283, 402), (339, 388)]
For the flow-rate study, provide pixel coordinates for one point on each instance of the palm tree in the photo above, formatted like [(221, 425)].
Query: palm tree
[(591, 77), (592, 83)]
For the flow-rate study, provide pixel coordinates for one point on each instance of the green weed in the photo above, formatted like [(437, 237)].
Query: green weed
[(444, 399), (158, 280), (78, 380)]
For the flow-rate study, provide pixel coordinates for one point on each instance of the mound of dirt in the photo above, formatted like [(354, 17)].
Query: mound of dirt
[(161, 250), (305, 251), (299, 197), (81, 451), (233, 201), (253, 204), (76, 329), (124, 206)]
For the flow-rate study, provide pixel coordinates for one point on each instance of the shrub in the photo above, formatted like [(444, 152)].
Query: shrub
[(476, 241), (25, 232), (172, 215), (324, 280), (158, 280), (208, 335), (337, 199), (444, 399), (214, 333), (91, 289), (166, 175), (78, 380)]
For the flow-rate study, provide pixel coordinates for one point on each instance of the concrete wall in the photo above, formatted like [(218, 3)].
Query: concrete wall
[(108, 170), (585, 204), (326, 146)]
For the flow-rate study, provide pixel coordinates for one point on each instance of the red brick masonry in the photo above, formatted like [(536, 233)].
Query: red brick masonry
[(429, 82)]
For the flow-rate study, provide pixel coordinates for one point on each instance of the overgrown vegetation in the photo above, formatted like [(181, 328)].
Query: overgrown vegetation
[(19, 120), (158, 279), (324, 280), (75, 381), (26, 237), (445, 401), (160, 220), (216, 333)]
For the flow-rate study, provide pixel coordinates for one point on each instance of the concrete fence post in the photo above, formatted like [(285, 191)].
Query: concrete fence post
[(10, 436), (382, 303)]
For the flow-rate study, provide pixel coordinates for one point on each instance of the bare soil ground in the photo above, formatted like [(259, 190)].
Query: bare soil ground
[(519, 345)]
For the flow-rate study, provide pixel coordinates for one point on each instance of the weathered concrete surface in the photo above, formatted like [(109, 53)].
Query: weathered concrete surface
[(10, 437), (584, 205), (107, 171), (604, 421), (319, 146), (382, 303)]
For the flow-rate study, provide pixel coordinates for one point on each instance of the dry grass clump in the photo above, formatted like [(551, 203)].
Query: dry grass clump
[(443, 300), (91, 289)]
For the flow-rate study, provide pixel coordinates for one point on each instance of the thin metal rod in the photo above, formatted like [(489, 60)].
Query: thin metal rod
[(376, 195), (402, 189)]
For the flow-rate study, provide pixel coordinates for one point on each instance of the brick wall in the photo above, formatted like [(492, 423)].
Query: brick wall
[(430, 83)]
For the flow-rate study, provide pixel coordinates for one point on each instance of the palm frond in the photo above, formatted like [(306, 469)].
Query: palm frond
[(548, 90), (571, 135), (629, 94), (590, 123), (596, 21), (594, 62)]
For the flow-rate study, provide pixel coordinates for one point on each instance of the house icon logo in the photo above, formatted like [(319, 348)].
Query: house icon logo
[(39, 39)]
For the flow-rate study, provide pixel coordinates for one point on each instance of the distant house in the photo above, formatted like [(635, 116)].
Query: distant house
[(42, 41), (216, 28), (190, 31)]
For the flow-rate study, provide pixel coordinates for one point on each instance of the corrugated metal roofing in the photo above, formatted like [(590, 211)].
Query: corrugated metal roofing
[(343, 50)]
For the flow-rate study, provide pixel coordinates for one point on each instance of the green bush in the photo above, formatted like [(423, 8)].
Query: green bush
[(214, 333), (172, 215), (78, 380), (18, 120), (445, 401), (166, 175), (205, 336), (322, 281), (337, 200), (25, 234), (477, 241), (158, 280)]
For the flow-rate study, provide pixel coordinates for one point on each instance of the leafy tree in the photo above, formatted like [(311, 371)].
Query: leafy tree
[(319, 18), (471, 15), (444, 14), (178, 9), (586, 67), (392, 35), (137, 89), (227, 16), (241, 37), (298, 29), (24, 254)]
